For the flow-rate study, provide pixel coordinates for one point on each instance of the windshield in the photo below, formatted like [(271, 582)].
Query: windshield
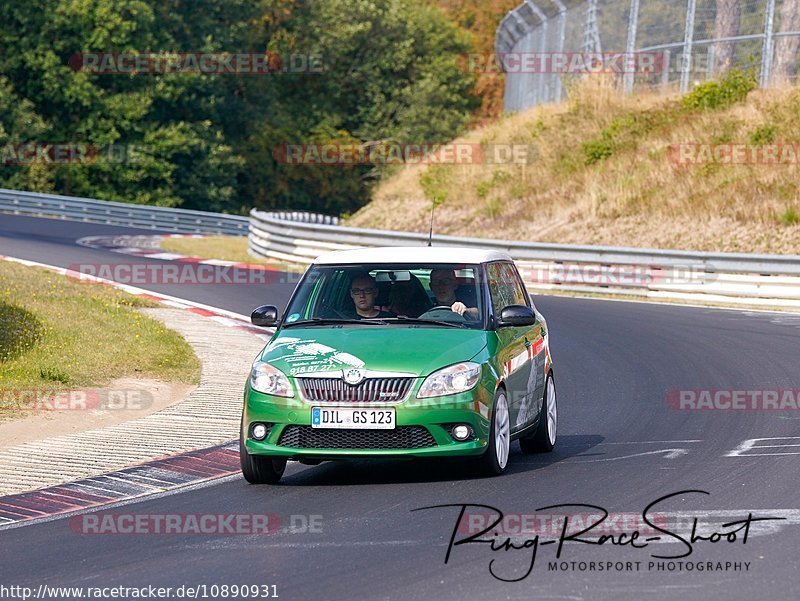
[(443, 295)]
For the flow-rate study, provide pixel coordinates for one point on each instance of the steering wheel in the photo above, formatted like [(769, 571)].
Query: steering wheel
[(327, 310), (435, 313)]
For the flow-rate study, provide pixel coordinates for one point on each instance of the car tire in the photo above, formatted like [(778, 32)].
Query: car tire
[(543, 439), (494, 460), (260, 469)]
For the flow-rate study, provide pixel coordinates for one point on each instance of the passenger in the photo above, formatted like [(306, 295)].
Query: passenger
[(443, 286), (364, 292)]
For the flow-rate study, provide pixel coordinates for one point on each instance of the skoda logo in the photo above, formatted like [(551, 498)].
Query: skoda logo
[(353, 376)]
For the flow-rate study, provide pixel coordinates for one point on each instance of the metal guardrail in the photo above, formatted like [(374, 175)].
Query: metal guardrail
[(771, 280), (297, 236), (271, 235), (180, 221)]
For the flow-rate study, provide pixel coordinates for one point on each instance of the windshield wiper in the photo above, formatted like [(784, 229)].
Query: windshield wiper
[(437, 322), (316, 321)]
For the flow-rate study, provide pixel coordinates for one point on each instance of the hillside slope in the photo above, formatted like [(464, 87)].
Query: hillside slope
[(611, 170)]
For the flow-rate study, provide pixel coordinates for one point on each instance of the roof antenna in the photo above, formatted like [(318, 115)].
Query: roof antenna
[(435, 201)]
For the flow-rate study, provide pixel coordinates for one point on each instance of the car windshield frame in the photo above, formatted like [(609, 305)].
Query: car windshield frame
[(305, 290)]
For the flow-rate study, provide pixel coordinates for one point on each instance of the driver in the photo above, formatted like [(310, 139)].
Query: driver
[(443, 286), (364, 293)]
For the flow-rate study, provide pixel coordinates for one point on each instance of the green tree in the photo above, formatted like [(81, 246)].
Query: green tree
[(389, 73), (209, 141), (182, 160)]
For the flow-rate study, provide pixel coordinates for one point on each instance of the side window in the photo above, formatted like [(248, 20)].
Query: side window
[(331, 294), (310, 301), (498, 288), (504, 287), (519, 290)]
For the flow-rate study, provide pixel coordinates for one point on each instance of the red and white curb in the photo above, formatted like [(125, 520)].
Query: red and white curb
[(150, 248), (207, 412), (222, 316), (153, 477)]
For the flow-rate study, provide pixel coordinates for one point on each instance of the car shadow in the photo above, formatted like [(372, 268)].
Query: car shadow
[(566, 447), (445, 469)]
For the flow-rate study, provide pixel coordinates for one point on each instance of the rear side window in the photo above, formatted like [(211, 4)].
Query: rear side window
[(504, 286)]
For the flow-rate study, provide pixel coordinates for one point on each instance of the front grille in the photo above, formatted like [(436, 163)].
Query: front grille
[(402, 437), (371, 390)]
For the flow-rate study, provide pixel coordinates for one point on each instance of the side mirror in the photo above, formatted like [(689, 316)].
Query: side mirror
[(516, 315), (264, 316)]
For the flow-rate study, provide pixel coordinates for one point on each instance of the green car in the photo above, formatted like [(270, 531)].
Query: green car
[(400, 353)]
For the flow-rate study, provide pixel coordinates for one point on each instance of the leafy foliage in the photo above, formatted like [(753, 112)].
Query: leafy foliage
[(208, 141), (790, 216), (480, 18), (719, 94), (626, 132)]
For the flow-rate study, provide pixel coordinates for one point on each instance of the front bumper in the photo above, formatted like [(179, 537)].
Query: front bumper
[(434, 415)]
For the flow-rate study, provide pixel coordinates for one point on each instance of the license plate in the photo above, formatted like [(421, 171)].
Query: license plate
[(354, 419)]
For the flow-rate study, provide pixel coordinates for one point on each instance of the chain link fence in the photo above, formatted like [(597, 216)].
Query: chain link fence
[(543, 44)]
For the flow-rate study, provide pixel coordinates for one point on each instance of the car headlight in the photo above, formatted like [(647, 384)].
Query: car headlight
[(451, 380), (270, 380)]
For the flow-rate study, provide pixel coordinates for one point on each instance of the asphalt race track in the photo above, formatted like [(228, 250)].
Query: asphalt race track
[(621, 447)]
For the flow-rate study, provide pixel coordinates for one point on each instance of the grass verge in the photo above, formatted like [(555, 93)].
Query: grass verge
[(57, 333), (646, 170), (223, 248)]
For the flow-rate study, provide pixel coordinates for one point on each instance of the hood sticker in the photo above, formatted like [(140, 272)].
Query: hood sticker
[(307, 356)]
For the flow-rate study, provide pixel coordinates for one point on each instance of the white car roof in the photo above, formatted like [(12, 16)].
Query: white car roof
[(411, 254)]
